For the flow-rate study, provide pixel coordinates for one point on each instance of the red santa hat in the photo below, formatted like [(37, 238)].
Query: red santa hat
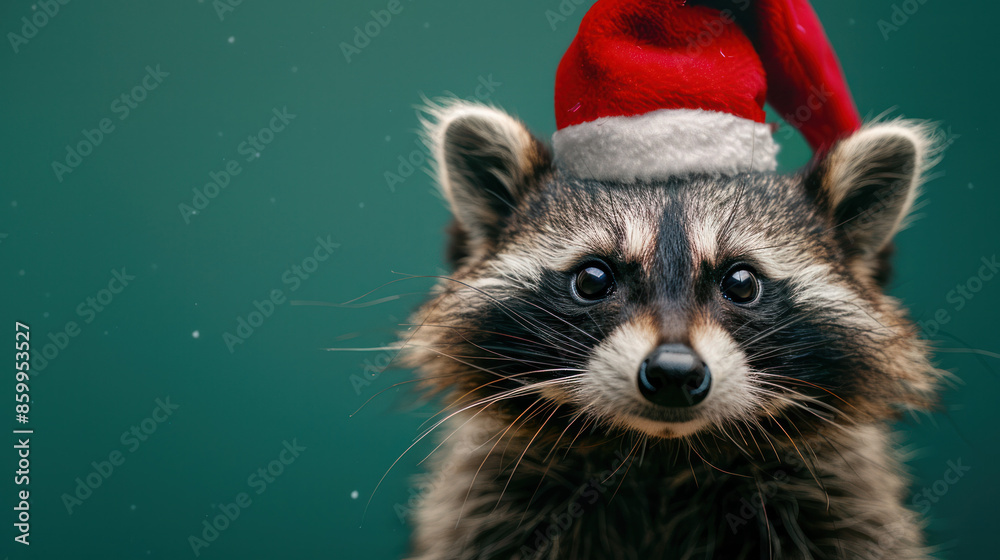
[(656, 88)]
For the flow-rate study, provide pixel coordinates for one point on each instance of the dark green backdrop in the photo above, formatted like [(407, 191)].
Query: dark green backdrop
[(196, 85)]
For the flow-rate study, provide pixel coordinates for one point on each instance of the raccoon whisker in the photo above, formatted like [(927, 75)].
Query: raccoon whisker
[(695, 451), (352, 305), (399, 350), (540, 308), (574, 348), (698, 436), (470, 329), (463, 362), (405, 451), (603, 442), (567, 323), (612, 475), (722, 429), (500, 377), (596, 324), (870, 316), (489, 371), (516, 360), (627, 469), (739, 197), (583, 428), (570, 353), (813, 414), (555, 446), (820, 387), (517, 391), (749, 322), (565, 350), (736, 425), (373, 290), (494, 399), (507, 309), (787, 350), (394, 385), (767, 437), (365, 349), (767, 522), (507, 360), (540, 410), (966, 347), (486, 457), (518, 377), (455, 431), (549, 464), (497, 356), (752, 438), (523, 453), (517, 317), (526, 388), (691, 466), (493, 350), (784, 350), (773, 330), (392, 360), (975, 351), (792, 441), (485, 403), (814, 458), (797, 397), (714, 440), (819, 482), (798, 405), (822, 411)]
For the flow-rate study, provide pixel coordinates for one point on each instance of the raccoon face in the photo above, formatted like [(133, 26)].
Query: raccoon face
[(692, 305)]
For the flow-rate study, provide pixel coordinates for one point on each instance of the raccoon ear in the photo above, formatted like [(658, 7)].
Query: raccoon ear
[(869, 181), (486, 162)]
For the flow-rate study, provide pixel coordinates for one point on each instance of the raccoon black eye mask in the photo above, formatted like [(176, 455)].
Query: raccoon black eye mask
[(647, 328)]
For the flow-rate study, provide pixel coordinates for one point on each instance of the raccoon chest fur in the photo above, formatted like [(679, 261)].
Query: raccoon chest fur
[(647, 500)]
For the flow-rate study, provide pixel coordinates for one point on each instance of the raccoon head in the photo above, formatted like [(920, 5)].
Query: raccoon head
[(697, 304)]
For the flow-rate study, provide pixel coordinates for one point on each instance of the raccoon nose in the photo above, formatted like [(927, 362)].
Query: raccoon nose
[(673, 375)]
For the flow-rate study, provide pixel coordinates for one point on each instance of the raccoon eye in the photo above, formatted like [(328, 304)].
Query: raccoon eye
[(740, 285), (593, 281)]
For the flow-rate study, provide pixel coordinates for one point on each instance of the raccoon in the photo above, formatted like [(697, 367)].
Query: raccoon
[(705, 366)]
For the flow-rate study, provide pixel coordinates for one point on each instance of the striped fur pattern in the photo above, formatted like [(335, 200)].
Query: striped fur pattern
[(549, 449)]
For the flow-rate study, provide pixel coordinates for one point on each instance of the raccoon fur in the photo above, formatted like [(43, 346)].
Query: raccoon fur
[(700, 367)]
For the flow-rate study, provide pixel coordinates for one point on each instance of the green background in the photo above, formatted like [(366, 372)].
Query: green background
[(324, 175)]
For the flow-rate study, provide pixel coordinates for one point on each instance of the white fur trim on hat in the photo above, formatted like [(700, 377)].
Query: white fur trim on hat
[(664, 143)]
